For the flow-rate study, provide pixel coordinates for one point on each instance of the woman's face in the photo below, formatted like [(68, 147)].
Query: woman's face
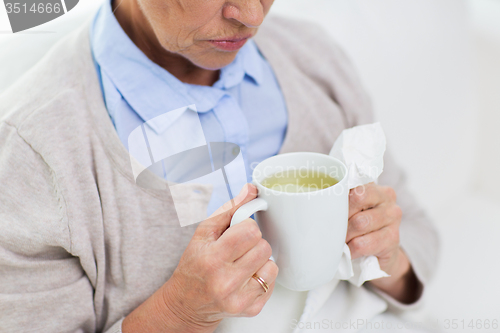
[(209, 33)]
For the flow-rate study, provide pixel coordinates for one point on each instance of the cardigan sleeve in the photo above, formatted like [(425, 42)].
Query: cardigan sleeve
[(43, 288)]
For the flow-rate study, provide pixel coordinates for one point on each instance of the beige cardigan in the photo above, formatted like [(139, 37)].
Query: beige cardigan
[(81, 245)]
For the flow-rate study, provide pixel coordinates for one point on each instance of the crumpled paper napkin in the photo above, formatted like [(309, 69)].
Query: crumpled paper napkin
[(362, 149)]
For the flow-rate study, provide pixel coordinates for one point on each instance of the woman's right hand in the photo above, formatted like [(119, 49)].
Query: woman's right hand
[(214, 277)]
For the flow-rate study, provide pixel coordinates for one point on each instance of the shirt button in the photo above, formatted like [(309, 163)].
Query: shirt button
[(236, 151)]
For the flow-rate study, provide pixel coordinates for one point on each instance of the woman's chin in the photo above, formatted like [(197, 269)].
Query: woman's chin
[(215, 61)]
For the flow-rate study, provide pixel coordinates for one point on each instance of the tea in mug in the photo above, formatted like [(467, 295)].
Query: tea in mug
[(299, 180)]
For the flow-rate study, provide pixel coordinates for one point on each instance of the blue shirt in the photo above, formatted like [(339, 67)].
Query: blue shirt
[(245, 106)]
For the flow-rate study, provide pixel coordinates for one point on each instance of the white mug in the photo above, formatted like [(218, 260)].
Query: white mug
[(306, 230)]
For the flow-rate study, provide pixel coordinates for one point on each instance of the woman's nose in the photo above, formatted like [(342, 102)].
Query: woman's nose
[(248, 12)]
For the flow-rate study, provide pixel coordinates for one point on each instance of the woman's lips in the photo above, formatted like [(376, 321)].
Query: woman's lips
[(232, 44)]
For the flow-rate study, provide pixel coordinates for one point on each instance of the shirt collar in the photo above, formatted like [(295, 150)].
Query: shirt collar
[(151, 90)]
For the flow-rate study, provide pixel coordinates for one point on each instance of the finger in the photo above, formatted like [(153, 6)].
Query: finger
[(364, 197), (376, 243), (254, 258), (220, 220), (253, 288), (239, 239), (268, 273), (374, 219), (259, 303), (247, 193), (251, 292)]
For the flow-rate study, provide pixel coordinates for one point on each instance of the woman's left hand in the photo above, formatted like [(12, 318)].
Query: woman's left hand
[(373, 229)]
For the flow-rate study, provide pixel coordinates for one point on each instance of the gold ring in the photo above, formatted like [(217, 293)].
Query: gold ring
[(261, 281)]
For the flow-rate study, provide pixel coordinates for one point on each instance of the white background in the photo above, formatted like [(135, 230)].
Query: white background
[(432, 68)]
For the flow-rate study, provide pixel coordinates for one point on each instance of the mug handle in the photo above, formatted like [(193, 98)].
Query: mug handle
[(248, 210)]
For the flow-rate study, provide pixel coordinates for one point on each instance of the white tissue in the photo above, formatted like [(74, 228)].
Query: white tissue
[(362, 150)]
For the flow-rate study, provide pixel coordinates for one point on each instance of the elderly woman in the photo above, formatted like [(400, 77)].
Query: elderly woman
[(83, 248)]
